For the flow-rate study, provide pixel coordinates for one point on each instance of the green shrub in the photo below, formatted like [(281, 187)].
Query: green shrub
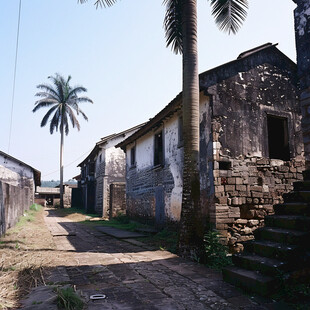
[(216, 253), (67, 299), (35, 207)]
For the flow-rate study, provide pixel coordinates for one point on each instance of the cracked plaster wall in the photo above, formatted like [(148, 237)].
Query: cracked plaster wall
[(16, 191)]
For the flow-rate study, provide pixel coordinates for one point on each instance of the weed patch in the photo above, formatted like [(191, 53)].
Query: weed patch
[(163, 240), (67, 299), (35, 207), (216, 252)]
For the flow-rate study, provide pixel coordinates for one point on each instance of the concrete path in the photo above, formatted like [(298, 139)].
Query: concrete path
[(119, 233), (134, 276)]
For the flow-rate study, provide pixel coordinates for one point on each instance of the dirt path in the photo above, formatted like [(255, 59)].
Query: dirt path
[(135, 277), (57, 250)]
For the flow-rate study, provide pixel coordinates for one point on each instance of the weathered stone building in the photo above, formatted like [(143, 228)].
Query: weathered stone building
[(102, 181), (250, 147), (51, 195), (17, 187)]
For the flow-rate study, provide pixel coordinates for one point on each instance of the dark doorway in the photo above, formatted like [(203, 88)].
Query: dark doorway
[(158, 149), (278, 138)]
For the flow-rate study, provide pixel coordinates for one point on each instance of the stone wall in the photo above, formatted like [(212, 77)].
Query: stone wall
[(14, 201), (141, 192), (16, 191), (247, 182), (246, 193), (117, 199)]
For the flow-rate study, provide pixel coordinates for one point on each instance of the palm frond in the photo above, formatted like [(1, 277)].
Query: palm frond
[(43, 103), (76, 90), (83, 114), (101, 3), (48, 89), (229, 14), (82, 99), (46, 95), (55, 121), (73, 119), (173, 25), (47, 115)]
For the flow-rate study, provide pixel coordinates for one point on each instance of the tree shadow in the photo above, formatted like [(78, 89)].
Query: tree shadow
[(169, 283), (85, 239)]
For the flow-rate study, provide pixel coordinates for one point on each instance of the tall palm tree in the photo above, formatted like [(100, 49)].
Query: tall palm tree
[(302, 29), (63, 102), (181, 34)]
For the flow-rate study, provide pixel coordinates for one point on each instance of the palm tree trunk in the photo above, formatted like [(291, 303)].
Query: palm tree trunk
[(191, 226), (61, 165), (302, 36)]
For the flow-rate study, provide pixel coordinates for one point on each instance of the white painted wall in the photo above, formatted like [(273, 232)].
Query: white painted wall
[(12, 172), (173, 158), (144, 151)]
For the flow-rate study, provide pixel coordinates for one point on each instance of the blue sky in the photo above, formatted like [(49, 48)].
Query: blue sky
[(119, 54)]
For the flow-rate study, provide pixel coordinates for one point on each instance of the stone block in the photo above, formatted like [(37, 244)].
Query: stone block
[(249, 200), (241, 221), (263, 161), (225, 220), (234, 212), (219, 189), (235, 201), (222, 200), (260, 214), (256, 188), (230, 188), (231, 180), (257, 195), (239, 181), (246, 230), (283, 169), (253, 223)]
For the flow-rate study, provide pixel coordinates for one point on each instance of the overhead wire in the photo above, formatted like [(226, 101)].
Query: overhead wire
[(14, 76), (67, 165)]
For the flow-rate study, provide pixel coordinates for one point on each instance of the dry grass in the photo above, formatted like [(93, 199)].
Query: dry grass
[(25, 258)]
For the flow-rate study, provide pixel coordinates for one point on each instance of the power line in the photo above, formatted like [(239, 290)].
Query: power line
[(14, 77), (72, 162)]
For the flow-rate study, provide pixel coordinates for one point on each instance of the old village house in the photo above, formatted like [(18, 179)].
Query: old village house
[(102, 180), (251, 147)]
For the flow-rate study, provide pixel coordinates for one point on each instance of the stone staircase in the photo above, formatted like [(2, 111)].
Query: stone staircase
[(280, 249)]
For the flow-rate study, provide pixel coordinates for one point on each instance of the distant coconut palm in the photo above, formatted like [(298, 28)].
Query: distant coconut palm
[(63, 102)]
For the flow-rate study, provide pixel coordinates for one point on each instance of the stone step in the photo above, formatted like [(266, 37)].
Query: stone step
[(273, 249), (265, 265), (296, 222), (249, 280), (302, 186), (292, 208), (297, 196), (282, 235)]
